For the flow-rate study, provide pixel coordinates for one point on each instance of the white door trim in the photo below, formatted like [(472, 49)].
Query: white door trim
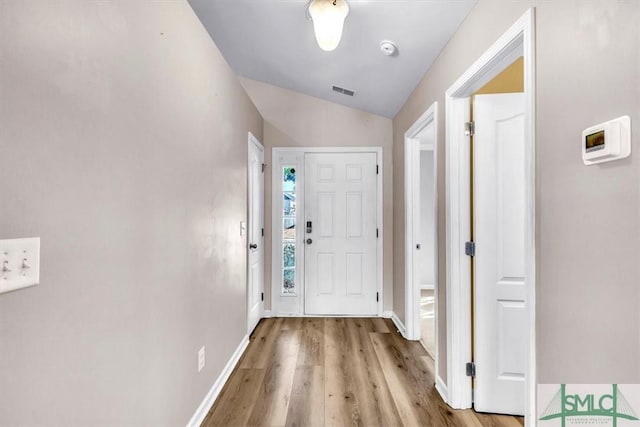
[(276, 260), (517, 41), (253, 141), (412, 148)]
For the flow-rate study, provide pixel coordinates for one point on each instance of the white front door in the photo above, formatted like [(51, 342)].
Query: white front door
[(255, 234), (499, 226), (340, 234)]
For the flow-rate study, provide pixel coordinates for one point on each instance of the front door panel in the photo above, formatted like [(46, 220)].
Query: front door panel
[(340, 250)]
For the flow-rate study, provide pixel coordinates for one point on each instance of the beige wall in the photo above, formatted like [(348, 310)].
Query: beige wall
[(123, 145), (292, 119), (588, 218)]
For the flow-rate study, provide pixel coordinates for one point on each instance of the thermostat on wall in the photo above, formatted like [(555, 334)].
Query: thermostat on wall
[(607, 141)]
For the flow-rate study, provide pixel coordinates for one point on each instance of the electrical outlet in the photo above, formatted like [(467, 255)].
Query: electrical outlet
[(201, 359)]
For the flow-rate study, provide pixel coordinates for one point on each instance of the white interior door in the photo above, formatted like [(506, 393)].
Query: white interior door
[(499, 220), (255, 235), (340, 247)]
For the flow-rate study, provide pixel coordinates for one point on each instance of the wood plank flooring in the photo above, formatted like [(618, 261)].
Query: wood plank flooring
[(337, 372)]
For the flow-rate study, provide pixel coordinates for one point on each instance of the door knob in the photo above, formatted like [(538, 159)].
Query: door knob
[(418, 246), (309, 241), (253, 246)]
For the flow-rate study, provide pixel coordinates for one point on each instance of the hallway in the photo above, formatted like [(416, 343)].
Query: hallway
[(337, 371)]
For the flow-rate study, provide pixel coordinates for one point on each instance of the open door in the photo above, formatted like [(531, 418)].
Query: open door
[(499, 226)]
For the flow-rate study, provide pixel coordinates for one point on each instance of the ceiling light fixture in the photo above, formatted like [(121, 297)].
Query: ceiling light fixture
[(328, 20)]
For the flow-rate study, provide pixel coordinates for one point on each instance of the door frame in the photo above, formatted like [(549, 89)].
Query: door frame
[(253, 142), (518, 41), (412, 150), (276, 257)]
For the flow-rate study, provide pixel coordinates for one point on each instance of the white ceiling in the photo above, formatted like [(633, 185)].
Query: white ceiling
[(272, 41)]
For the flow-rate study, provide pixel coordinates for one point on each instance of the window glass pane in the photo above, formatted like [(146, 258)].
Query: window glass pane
[(289, 229), (289, 179), (289, 204), (289, 281), (289, 255)]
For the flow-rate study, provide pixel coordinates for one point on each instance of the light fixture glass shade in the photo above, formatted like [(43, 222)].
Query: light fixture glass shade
[(328, 21)]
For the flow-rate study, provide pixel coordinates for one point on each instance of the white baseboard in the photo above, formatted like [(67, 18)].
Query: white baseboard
[(202, 411), (267, 314), (311, 316), (399, 325), (441, 387), (387, 314)]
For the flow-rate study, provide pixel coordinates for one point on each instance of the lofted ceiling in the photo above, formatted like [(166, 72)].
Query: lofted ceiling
[(272, 41)]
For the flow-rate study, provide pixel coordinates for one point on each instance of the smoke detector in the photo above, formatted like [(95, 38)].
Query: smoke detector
[(388, 48)]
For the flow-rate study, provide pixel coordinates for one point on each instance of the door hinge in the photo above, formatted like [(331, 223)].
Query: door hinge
[(263, 167), (377, 170), (471, 369), (470, 248), (262, 231), (262, 296), (377, 296), (469, 128), (377, 233)]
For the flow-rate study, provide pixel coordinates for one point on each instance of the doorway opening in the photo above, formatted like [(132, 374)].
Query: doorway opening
[(428, 246), (462, 256), (498, 321), (421, 232)]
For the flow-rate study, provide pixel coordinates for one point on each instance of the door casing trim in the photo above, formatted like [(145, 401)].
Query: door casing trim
[(277, 152), (519, 40)]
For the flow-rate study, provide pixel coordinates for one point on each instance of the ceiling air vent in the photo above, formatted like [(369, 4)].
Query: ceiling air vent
[(343, 90)]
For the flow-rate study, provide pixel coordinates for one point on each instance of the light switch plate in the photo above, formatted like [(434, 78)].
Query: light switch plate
[(19, 263)]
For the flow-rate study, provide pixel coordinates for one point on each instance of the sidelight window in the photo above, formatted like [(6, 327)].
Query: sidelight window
[(288, 230)]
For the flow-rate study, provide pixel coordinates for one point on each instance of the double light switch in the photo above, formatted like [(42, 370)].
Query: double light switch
[(19, 263)]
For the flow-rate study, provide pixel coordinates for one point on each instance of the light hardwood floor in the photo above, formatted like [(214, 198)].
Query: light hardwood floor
[(337, 372)]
